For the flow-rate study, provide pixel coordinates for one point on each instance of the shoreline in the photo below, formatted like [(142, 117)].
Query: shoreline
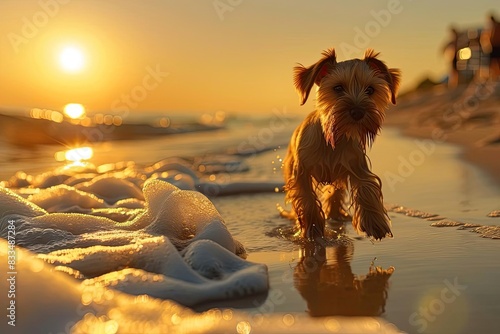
[(473, 148), (460, 117)]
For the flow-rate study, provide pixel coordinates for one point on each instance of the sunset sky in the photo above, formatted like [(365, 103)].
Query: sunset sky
[(207, 55)]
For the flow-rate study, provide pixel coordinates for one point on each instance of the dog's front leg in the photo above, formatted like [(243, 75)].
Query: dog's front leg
[(334, 202), (307, 205), (370, 215)]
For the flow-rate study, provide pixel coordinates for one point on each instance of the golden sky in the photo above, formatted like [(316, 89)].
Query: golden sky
[(208, 55)]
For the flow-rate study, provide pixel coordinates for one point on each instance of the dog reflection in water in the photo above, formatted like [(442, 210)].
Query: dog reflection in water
[(331, 288)]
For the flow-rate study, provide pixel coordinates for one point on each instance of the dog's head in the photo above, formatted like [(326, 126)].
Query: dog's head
[(352, 96)]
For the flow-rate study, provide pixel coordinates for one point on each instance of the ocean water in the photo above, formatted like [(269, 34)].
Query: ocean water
[(184, 246)]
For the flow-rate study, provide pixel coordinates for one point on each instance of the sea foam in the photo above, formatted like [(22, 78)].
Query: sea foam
[(172, 244)]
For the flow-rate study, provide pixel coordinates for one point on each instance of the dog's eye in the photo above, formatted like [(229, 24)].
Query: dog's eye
[(338, 89), (369, 90)]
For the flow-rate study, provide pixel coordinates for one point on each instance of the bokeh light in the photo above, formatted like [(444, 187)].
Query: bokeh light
[(74, 110)]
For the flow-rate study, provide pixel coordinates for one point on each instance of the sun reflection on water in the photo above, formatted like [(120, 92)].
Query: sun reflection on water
[(75, 155)]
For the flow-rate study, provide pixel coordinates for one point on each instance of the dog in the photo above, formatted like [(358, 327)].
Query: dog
[(326, 159)]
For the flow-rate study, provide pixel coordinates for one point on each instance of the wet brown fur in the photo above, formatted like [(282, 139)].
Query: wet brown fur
[(326, 160)]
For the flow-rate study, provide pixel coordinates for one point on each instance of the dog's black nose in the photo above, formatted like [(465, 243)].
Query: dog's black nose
[(357, 113)]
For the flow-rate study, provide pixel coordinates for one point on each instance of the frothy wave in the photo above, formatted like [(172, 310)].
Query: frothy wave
[(165, 242)]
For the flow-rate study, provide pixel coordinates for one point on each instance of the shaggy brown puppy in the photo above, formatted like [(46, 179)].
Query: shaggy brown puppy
[(326, 157)]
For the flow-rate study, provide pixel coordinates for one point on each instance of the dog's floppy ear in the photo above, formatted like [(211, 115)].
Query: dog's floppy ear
[(391, 75), (305, 78)]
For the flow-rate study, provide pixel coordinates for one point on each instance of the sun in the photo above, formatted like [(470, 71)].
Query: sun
[(72, 59)]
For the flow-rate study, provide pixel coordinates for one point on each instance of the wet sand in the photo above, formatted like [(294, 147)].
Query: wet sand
[(468, 116)]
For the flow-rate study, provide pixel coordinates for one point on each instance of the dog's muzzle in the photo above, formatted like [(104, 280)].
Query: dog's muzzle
[(357, 113)]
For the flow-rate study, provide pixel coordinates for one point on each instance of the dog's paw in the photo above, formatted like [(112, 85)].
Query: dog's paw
[(375, 226), (378, 230)]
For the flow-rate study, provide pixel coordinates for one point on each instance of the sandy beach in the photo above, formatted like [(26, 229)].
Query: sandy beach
[(468, 116)]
